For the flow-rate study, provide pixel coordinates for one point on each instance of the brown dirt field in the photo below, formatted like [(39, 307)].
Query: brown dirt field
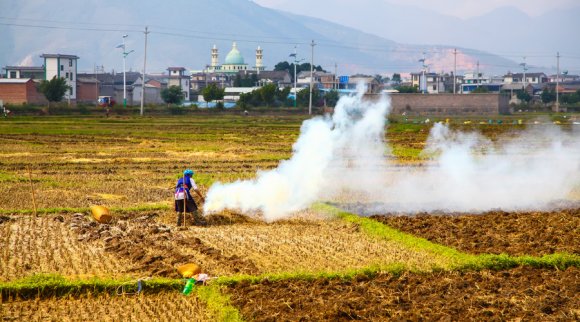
[(521, 294), (495, 232), (159, 307), (31, 245)]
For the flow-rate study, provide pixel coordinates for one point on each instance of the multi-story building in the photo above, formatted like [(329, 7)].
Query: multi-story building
[(62, 66), (177, 77), (432, 83)]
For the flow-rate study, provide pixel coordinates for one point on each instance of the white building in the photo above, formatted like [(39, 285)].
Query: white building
[(62, 66), (177, 77)]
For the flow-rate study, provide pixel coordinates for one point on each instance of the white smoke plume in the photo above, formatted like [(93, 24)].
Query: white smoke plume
[(346, 155), (301, 180), (468, 172)]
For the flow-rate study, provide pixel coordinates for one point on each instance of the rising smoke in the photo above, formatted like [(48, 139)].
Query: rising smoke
[(346, 156)]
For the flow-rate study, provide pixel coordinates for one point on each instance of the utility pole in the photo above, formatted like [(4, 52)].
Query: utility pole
[(335, 85), (557, 82), (525, 68), (311, 77), (144, 73), (455, 71), (124, 74), (424, 77), (477, 74), (97, 69)]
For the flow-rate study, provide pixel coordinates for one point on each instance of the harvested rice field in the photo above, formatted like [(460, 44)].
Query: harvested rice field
[(334, 261)]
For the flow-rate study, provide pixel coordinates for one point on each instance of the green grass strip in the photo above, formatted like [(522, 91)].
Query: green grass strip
[(218, 303), (379, 230), (458, 260), (46, 211), (51, 285)]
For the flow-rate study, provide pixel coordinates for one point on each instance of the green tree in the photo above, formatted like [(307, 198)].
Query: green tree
[(548, 96), (212, 92), (407, 89), (172, 95), (268, 93), (303, 97), (282, 95), (331, 98), (54, 89), (480, 90), (284, 65), (396, 78), (524, 96)]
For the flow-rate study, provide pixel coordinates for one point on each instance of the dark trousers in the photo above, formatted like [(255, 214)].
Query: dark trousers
[(190, 207)]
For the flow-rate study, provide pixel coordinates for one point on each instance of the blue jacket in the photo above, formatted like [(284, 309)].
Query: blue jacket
[(179, 186)]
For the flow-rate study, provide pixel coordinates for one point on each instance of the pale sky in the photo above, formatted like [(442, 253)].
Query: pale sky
[(458, 8)]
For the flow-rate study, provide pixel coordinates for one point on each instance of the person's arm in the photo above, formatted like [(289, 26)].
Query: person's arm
[(196, 189), (199, 194)]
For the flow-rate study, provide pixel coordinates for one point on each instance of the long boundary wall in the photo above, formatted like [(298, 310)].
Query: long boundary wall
[(447, 104)]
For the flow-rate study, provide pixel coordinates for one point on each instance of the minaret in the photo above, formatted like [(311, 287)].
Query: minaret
[(214, 57), (259, 56)]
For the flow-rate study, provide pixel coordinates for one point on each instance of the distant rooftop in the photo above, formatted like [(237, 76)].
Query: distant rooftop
[(59, 56), (25, 68)]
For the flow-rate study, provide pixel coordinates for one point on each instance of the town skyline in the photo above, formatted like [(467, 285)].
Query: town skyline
[(366, 51)]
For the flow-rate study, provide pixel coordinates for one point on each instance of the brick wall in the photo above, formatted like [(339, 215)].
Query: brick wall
[(86, 92), (447, 104), (13, 93), (21, 93)]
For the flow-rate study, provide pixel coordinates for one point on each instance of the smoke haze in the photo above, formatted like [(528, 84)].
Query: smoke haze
[(344, 157)]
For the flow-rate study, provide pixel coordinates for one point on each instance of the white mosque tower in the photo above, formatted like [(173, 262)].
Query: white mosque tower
[(214, 57), (259, 63)]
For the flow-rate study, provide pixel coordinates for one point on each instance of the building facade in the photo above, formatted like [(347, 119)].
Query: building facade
[(177, 77), (62, 66)]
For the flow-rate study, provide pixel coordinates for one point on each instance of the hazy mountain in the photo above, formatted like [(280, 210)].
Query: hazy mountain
[(183, 32), (506, 31)]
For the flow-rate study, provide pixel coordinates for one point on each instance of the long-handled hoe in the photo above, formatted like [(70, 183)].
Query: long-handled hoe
[(184, 203)]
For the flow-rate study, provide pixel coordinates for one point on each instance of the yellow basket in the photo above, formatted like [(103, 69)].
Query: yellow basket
[(189, 270), (101, 214)]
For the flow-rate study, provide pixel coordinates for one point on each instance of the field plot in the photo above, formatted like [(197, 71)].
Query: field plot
[(33, 245), (518, 294), (156, 307), (513, 233), (322, 264), (132, 162), (301, 245)]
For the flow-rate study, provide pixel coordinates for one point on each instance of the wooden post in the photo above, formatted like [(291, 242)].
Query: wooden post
[(31, 189)]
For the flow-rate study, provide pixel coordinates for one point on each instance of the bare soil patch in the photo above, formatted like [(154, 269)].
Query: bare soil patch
[(155, 249), (523, 293), (495, 232)]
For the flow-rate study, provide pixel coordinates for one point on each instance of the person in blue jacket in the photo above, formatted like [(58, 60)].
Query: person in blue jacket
[(184, 202)]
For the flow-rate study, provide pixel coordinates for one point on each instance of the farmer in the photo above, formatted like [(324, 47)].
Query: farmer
[(183, 197)]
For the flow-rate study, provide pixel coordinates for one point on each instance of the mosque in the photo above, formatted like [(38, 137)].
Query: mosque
[(234, 62)]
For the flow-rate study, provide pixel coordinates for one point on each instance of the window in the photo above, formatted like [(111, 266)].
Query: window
[(66, 76), (434, 87), (70, 63), (61, 67), (71, 76), (12, 74), (70, 91)]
